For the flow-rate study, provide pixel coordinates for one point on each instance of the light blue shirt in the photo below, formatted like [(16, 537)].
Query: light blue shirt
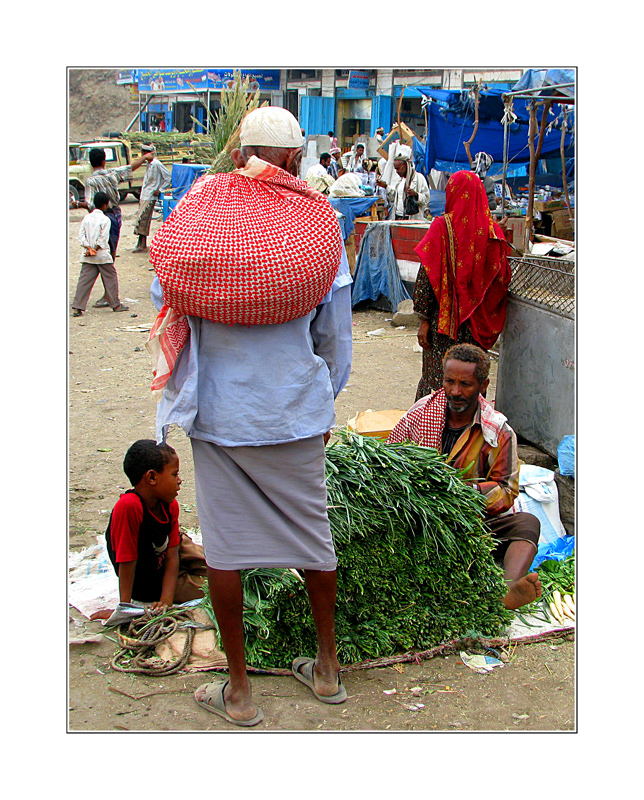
[(238, 385)]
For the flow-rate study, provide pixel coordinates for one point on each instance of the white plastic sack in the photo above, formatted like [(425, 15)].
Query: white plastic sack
[(538, 495)]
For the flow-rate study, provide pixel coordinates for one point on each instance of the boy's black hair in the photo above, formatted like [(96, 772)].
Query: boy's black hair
[(96, 156), (100, 199), (146, 454)]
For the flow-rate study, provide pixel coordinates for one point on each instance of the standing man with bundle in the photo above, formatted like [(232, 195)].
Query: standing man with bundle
[(157, 179), (255, 393), (409, 195)]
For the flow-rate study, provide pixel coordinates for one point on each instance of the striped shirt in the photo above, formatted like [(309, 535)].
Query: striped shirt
[(486, 449), (494, 470), (106, 180)]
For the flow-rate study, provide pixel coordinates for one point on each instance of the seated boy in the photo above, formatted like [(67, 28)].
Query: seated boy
[(155, 563)]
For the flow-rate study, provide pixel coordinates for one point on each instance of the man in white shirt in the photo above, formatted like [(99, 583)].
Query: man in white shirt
[(157, 179), (411, 184), (318, 177), (96, 260)]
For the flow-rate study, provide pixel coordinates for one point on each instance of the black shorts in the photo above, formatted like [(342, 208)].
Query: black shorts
[(519, 527)]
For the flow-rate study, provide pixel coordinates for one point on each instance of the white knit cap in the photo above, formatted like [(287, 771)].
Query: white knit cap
[(271, 126)]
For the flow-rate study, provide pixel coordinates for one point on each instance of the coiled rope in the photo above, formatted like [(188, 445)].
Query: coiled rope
[(141, 636)]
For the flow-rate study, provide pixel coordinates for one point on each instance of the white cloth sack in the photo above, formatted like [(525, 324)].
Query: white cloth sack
[(538, 495)]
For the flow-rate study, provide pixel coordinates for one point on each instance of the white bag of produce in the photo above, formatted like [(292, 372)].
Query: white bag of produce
[(538, 495)]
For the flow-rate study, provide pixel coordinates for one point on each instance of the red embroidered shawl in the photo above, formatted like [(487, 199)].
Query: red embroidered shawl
[(464, 255)]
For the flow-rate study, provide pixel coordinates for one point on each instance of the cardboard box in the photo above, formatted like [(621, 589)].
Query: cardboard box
[(548, 205), (375, 423), (515, 232), (562, 226)]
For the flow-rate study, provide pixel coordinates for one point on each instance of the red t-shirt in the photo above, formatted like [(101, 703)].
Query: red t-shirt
[(127, 517)]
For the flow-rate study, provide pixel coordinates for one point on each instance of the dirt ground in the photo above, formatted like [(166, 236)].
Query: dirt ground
[(110, 406)]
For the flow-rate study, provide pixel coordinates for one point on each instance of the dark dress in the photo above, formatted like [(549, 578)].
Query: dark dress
[(426, 306)]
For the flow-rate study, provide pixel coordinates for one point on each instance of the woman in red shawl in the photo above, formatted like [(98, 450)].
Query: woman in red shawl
[(461, 288)]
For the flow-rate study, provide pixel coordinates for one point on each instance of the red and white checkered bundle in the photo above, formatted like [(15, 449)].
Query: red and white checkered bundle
[(250, 250)]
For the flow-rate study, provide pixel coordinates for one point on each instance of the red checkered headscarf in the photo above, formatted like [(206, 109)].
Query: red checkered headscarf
[(256, 246), (425, 421)]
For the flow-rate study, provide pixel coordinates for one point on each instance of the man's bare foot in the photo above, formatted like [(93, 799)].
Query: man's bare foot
[(239, 704), (523, 591), (325, 678), (322, 678)]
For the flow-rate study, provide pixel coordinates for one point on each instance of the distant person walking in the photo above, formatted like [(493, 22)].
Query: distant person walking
[(157, 179)]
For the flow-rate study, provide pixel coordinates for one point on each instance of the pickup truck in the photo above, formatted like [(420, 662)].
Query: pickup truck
[(118, 153)]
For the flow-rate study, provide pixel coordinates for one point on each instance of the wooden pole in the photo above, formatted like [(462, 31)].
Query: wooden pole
[(532, 130), (563, 162), (534, 157), (400, 133), (542, 131), (476, 123)]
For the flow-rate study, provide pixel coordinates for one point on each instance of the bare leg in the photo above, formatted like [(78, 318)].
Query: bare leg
[(321, 588), (522, 588), (227, 597)]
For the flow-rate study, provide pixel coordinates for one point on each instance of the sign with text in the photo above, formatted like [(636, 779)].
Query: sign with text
[(126, 76), (358, 79), (182, 80)]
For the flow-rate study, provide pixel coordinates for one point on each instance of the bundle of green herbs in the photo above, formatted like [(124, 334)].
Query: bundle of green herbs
[(415, 565)]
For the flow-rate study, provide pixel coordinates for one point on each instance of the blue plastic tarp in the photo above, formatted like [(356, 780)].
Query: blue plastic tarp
[(183, 176), (352, 207), (554, 551), (544, 78), (377, 271), (450, 123)]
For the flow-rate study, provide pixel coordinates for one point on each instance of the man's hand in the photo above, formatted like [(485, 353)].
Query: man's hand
[(411, 192), (503, 224), (382, 183), (327, 436)]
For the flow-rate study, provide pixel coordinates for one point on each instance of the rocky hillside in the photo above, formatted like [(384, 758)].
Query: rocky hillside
[(97, 104)]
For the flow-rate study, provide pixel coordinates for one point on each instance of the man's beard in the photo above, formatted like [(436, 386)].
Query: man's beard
[(460, 408)]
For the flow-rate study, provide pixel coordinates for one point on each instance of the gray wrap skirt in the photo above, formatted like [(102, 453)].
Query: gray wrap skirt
[(263, 506)]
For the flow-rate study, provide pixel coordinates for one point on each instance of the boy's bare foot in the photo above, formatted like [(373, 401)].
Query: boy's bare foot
[(523, 591)]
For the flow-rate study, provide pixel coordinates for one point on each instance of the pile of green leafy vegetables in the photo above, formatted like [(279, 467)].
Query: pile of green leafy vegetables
[(415, 565)]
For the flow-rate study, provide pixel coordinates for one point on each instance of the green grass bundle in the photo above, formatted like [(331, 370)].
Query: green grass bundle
[(415, 565)]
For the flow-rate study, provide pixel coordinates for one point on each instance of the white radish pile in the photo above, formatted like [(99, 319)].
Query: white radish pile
[(562, 609)]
